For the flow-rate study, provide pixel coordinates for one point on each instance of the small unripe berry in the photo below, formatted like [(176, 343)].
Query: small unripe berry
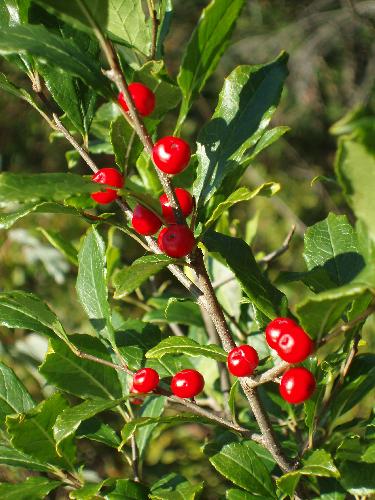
[(109, 176), (276, 328), (144, 221), (145, 380), (176, 241), (242, 361), (297, 385), (142, 96), (171, 154), (187, 383), (185, 201), (295, 345)]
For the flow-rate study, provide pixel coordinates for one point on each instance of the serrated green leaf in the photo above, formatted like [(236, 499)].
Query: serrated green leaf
[(16, 458), (32, 433), (174, 487), (205, 48), (246, 104), (130, 278), (14, 397), (61, 244), (238, 256), (185, 345), (81, 377), (33, 488)]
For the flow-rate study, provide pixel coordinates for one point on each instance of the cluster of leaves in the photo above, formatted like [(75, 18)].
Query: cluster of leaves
[(53, 43)]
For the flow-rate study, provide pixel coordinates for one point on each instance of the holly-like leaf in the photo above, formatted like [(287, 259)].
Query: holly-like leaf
[(81, 377), (185, 345), (32, 433), (92, 283), (16, 458), (174, 486), (95, 430), (205, 48), (14, 397), (130, 278), (238, 256), (246, 104), (33, 488)]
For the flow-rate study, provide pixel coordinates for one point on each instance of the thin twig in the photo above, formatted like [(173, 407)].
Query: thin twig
[(280, 251), (135, 459), (155, 24), (95, 359)]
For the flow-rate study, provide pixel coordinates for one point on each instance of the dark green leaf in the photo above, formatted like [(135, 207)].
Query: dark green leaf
[(130, 278), (205, 48), (165, 16), (174, 310), (88, 491), (153, 407), (234, 494), (184, 345), (61, 244), (33, 488), (129, 490), (357, 478), (238, 256), (15, 458), (174, 487), (14, 398), (95, 430)]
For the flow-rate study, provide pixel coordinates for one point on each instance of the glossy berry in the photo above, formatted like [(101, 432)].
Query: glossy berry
[(135, 401), (176, 241), (144, 221), (145, 380), (295, 345), (187, 384), (242, 361), (109, 176), (142, 96), (276, 328), (184, 199), (297, 385), (171, 154)]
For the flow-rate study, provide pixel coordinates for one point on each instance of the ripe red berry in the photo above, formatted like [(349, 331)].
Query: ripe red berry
[(176, 241), (242, 361), (109, 176), (276, 328), (145, 380), (297, 385), (187, 383), (184, 199), (294, 346), (171, 154), (142, 96), (144, 221)]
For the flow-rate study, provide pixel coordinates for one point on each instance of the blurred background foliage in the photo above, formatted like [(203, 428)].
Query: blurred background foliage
[(332, 71)]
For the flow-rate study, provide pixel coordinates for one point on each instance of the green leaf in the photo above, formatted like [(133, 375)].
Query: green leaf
[(70, 419), (238, 256), (242, 194), (16, 458), (153, 407), (358, 478), (9, 87), (49, 187), (233, 494), (165, 16), (33, 488), (95, 430), (185, 345), (32, 433), (123, 20), (92, 283), (174, 310), (242, 466), (332, 245), (89, 491), (77, 376), (355, 166), (246, 104), (174, 487), (268, 138), (24, 310), (14, 397), (61, 244), (52, 49), (129, 279), (205, 48), (129, 490)]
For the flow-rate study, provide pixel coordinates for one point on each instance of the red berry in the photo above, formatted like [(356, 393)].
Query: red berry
[(297, 385), (109, 176), (295, 345), (145, 380), (135, 401), (144, 221), (142, 96), (276, 328), (176, 241), (187, 384), (184, 199), (242, 361), (171, 154)]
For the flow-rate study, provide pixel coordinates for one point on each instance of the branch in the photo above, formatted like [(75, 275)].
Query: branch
[(280, 251), (155, 24)]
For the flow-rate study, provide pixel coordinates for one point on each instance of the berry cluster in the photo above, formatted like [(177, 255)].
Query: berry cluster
[(292, 345), (185, 384), (171, 155)]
